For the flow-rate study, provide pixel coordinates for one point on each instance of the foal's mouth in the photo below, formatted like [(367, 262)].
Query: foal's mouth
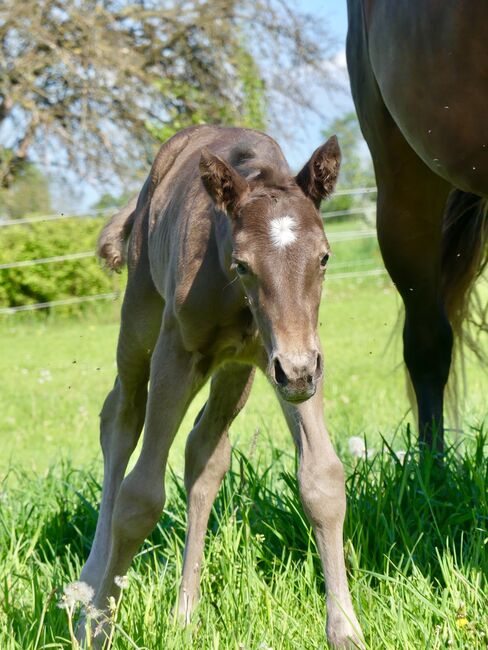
[(297, 398)]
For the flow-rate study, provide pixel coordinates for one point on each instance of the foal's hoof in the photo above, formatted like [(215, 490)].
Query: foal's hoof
[(345, 635), (92, 635)]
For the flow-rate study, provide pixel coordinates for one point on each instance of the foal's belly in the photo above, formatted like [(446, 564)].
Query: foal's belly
[(430, 62)]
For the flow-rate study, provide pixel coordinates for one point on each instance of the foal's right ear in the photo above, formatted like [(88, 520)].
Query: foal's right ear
[(224, 184)]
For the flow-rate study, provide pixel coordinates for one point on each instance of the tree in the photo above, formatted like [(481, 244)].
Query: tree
[(356, 167), (28, 194), (91, 83)]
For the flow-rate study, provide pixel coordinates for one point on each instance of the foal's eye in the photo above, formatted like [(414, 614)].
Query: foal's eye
[(241, 268), (324, 260)]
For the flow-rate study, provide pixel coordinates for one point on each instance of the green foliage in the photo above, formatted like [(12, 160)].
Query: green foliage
[(416, 540), (27, 193), (55, 280), (108, 200), (194, 105)]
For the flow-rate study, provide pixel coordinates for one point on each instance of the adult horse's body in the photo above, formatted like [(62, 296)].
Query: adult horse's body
[(419, 78), (226, 260)]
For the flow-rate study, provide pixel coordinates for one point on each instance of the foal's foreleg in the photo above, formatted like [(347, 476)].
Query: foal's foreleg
[(207, 460), (322, 491)]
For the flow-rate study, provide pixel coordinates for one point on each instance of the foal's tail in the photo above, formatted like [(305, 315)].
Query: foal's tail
[(114, 236), (112, 240), (464, 258)]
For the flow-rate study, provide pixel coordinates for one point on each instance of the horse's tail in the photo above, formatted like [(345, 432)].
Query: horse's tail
[(112, 240), (464, 258)]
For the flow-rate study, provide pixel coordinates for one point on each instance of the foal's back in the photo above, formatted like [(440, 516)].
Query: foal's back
[(176, 228), (181, 221)]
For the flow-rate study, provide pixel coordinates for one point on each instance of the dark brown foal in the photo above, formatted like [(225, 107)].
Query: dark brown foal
[(226, 260)]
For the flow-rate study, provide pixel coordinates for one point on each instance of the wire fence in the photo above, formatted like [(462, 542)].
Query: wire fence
[(340, 236)]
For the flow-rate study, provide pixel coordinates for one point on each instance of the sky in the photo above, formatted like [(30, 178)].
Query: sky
[(303, 141), (334, 13)]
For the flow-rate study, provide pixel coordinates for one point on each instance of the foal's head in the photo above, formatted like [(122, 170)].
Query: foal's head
[(280, 253)]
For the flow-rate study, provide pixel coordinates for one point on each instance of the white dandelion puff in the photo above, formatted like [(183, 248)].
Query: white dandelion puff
[(77, 592), (357, 447), (400, 454), (122, 582)]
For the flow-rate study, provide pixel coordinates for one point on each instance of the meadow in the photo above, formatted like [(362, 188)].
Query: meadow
[(416, 539)]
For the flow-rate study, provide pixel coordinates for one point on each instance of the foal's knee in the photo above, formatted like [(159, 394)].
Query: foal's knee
[(207, 458), (122, 418), (138, 507), (322, 490)]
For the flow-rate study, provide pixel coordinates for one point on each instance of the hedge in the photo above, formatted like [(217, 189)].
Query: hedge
[(54, 280)]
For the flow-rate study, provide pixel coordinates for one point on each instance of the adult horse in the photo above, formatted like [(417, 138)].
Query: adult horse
[(226, 259), (419, 78)]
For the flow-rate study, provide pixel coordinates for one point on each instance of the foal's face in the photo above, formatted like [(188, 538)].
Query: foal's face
[(280, 253)]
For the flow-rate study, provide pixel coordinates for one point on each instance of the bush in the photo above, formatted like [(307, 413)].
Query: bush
[(54, 280)]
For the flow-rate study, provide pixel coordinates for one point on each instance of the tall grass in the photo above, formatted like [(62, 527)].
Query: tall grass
[(416, 549)]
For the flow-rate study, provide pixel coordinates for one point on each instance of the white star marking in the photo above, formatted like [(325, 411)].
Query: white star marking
[(281, 231)]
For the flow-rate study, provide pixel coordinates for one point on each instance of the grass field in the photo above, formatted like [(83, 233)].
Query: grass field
[(416, 541)]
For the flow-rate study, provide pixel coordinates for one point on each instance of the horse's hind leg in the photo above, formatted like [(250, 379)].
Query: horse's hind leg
[(122, 415), (410, 211), (411, 205), (207, 460)]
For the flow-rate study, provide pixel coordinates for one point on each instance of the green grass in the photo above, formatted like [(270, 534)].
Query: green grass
[(416, 541), (415, 549)]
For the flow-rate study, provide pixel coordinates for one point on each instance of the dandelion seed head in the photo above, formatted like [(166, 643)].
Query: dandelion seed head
[(77, 592), (356, 446), (122, 582), (93, 612)]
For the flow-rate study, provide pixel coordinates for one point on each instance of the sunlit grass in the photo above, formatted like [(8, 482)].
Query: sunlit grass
[(416, 550)]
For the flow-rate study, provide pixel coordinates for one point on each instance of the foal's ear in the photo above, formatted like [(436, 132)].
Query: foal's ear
[(318, 177), (224, 183)]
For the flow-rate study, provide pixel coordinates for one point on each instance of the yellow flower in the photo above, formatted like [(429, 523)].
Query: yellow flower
[(462, 621)]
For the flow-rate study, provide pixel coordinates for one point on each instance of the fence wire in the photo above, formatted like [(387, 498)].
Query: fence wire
[(347, 235)]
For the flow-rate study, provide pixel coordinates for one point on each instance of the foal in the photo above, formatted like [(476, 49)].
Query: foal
[(226, 259)]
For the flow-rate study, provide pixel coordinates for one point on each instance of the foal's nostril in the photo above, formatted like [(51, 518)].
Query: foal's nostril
[(279, 373), (318, 367)]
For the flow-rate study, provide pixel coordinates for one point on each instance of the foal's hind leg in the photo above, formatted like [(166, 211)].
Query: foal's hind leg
[(140, 499), (122, 415), (207, 460)]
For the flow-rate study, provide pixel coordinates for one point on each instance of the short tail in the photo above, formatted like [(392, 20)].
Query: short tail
[(112, 243), (113, 238), (464, 258)]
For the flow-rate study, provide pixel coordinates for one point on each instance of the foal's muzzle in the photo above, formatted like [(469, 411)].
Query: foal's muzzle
[(296, 375)]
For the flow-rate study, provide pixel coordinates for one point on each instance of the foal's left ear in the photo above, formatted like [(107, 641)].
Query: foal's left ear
[(224, 183), (318, 177)]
